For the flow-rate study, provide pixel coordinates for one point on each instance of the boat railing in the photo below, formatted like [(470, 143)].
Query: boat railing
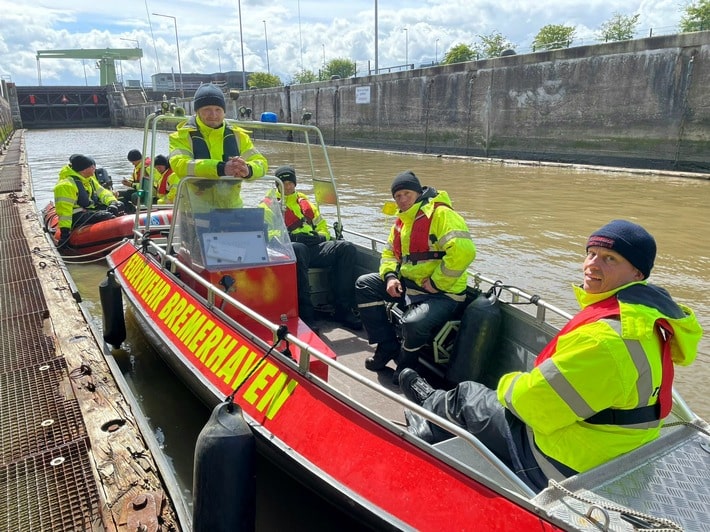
[(510, 480)]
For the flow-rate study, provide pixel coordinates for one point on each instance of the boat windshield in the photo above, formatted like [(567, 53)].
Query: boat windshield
[(215, 228)]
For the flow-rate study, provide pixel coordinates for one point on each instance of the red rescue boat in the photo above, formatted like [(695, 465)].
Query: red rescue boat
[(218, 301)]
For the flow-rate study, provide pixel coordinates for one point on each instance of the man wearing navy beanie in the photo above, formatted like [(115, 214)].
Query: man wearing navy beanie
[(599, 389), (206, 146)]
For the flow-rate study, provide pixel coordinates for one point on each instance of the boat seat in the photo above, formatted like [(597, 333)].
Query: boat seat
[(319, 281)]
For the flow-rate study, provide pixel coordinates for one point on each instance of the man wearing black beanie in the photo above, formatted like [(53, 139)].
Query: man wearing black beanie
[(600, 389), (205, 146), (79, 199), (423, 267)]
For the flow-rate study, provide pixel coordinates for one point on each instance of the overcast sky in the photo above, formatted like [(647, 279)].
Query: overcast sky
[(301, 34)]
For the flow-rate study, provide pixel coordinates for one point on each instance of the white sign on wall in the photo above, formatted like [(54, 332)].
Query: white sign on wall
[(362, 94)]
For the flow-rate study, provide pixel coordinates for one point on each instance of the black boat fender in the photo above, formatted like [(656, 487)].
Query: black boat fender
[(224, 478), (112, 310), (475, 340)]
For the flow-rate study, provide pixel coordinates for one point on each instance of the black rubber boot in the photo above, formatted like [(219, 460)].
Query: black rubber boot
[(407, 359), (383, 354)]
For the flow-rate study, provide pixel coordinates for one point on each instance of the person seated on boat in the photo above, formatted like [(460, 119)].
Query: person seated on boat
[(205, 146), (167, 180), (134, 184), (79, 199), (316, 248), (423, 267), (601, 388)]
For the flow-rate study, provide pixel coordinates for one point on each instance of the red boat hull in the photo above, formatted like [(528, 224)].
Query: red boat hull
[(374, 467)]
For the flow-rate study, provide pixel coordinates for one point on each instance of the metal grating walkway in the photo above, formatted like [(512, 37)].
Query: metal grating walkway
[(46, 479), (10, 169)]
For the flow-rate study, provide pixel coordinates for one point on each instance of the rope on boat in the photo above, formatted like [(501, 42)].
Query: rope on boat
[(636, 519), (281, 333)]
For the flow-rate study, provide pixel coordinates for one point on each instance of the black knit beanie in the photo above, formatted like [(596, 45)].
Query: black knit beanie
[(209, 94), (406, 181), (286, 173), (629, 240), (80, 162)]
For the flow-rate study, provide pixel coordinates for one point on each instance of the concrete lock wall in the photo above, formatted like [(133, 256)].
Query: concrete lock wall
[(641, 103)]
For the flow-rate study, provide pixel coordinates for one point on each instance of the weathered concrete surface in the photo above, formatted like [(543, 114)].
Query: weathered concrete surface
[(641, 103)]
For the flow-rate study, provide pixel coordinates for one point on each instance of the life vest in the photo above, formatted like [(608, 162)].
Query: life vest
[(418, 240), (83, 198), (606, 309), (292, 220), (163, 186), (200, 149)]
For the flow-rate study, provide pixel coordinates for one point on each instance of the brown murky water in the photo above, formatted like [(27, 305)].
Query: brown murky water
[(529, 222)]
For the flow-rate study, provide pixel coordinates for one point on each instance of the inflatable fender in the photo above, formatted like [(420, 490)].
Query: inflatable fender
[(476, 340), (224, 479), (112, 310)]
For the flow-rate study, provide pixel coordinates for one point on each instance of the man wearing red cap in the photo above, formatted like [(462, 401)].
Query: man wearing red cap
[(601, 388)]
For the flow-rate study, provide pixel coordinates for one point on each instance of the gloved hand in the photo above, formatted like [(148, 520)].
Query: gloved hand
[(113, 208), (63, 237), (121, 208)]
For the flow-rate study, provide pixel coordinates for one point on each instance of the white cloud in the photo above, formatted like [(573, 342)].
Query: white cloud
[(299, 33)]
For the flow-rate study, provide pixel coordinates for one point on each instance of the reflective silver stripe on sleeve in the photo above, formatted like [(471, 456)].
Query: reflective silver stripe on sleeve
[(644, 383), (454, 234), (565, 390), (191, 167), (451, 273)]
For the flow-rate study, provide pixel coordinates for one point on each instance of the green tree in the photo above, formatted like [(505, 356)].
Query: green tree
[(460, 54), (492, 45), (263, 80), (553, 36), (305, 76), (345, 68), (696, 17), (619, 28)]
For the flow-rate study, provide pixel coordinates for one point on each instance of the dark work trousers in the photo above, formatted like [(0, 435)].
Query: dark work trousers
[(339, 257), (476, 408), (420, 320), (90, 216)]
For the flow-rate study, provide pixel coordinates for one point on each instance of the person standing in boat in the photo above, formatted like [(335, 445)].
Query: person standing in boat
[(601, 388), (423, 267), (316, 248), (167, 180), (205, 146), (79, 199)]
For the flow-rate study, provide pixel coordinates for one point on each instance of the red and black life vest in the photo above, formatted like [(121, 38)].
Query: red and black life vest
[(163, 186), (609, 309), (418, 240), (292, 220)]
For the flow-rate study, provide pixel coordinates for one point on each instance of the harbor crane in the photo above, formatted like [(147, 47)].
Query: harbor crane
[(106, 58)]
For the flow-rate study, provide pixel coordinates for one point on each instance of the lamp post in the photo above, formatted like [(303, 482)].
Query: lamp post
[(406, 48), (436, 52), (140, 61), (266, 42), (177, 44), (377, 66), (241, 45)]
